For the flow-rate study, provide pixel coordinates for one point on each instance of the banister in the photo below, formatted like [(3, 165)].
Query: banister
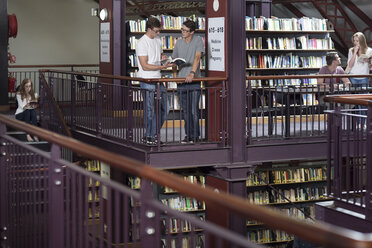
[(320, 233), (51, 66), (356, 99), (304, 76), (146, 80)]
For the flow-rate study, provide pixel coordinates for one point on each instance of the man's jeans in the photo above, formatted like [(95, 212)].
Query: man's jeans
[(150, 112), (189, 95)]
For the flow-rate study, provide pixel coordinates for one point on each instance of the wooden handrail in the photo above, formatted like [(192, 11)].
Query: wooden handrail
[(51, 66), (146, 80), (321, 233), (305, 76), (356, 99)]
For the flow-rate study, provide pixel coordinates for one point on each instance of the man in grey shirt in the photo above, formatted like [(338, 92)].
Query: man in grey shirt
[(190, 48)]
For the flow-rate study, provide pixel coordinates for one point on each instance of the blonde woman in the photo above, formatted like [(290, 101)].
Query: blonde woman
[(358, 59), (27, 102)]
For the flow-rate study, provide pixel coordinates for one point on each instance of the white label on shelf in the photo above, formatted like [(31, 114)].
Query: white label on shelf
[(216, 44), (105, 42), (105, 173)]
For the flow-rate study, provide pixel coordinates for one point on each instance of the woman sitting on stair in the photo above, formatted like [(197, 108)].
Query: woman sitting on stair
[(27, 102)]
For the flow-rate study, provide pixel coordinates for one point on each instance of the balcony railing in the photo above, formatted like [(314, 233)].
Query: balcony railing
[(20, 72), (279, 109), (49, 202), (284, 108), (349, 155), (115, 107)]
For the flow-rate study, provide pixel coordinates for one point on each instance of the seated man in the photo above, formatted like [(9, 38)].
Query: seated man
[(332, 67)]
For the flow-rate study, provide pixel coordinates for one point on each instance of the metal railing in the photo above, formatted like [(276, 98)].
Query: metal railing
[(291, 107), (48, 202), (349, 155), (20, 72), (116, 107)]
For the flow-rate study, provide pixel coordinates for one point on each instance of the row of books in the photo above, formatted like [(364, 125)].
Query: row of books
[(167, 41), (167, 22), (177, 226), (264, 61), (182, 203), (190, 178), (279, 82), (287, 176), (92, 165), (285, 24), (173, 98), (268, 236), (135, 182), (186, 242), (95, 213), (293, 194), (90, 196), (298, 212), (282, 43), (93, 182)]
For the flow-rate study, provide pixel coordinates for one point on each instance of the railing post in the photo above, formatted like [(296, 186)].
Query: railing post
[(129, 108), (3, 190), (369, 165), (51, 81), (148, 232), (42, 101), (73, 101), (56, 195), (158, 113), (330, 118), (99, 106), (223, 114), (337, 153)]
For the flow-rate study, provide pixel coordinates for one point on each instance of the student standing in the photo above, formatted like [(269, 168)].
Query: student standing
[(149, 55), (359, 66), (190, 48)]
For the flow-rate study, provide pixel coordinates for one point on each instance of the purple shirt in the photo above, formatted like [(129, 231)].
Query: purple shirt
[(325, 70)]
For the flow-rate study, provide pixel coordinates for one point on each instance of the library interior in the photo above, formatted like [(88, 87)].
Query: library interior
[(185, 124)]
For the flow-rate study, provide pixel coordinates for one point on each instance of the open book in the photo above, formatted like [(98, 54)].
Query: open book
[(362, 57), (177, 61), (33, 104)]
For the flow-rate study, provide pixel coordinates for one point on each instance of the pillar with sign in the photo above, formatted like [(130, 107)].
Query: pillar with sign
[(216, 43), (226, 58)]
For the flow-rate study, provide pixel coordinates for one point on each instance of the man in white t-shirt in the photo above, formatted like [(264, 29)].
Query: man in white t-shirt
[(149, 55)]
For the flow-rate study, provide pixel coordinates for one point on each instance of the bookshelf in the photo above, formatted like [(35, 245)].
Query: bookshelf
[(93, 188), (284, 46), (273, 184), (174, 200)]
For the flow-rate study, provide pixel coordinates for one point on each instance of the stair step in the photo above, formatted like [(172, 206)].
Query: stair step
[(20, 135)]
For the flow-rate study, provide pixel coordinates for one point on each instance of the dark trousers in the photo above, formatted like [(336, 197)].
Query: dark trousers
[(28, 116), (189, 95)]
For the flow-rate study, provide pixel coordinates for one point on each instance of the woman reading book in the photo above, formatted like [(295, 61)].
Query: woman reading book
[(27, 102)]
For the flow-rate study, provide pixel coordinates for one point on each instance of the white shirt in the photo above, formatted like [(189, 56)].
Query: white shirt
[(22, 103), (152, 49), (361, 68)]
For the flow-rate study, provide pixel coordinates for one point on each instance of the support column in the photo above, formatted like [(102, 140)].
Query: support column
[(237, 79), (231, 180), (4, 105)]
